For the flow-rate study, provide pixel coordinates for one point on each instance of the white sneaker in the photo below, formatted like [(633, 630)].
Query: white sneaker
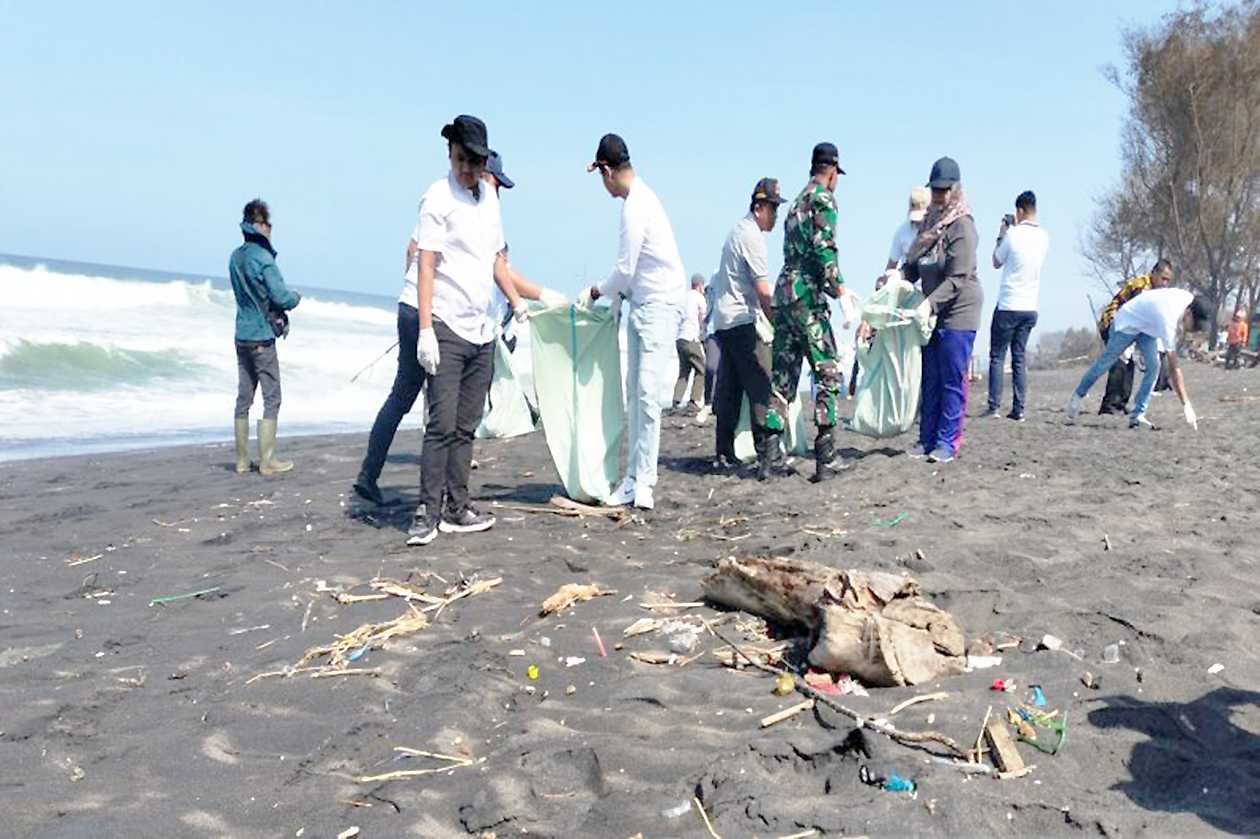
[(1141, 423), (1073, 409), (703, 416), (623, 494), (643, 498)]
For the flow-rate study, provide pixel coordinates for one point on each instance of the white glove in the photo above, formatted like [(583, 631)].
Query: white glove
[(584, 298), (1192, 419), (521, 311), (552, 299), (427, 351)]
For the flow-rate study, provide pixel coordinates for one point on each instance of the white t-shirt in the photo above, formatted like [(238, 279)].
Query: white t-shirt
[(467, 232), (411, 277), (1156, 313), (693, 311), (649, 268), (1022, 252), (902, 240), (744, 264)]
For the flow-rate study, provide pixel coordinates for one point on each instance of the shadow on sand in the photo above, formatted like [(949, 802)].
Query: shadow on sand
[(1197, 760)]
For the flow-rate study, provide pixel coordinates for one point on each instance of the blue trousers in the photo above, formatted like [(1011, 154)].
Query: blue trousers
[(1009, 329), (1116, 345), (943, 393)]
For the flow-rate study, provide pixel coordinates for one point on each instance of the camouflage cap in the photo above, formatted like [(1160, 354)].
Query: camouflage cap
[(767, 189)]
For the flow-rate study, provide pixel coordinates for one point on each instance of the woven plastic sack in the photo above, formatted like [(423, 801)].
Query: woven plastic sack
[(887, 398)]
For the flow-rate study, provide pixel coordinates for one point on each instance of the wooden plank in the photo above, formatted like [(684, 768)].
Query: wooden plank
[(1002, 746)]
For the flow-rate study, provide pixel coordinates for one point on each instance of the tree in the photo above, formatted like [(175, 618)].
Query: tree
[(1190, 150)]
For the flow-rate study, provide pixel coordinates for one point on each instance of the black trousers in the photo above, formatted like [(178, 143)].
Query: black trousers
[(712, 360), (457, 399), (402, 396), (257, 364), (744, 369)]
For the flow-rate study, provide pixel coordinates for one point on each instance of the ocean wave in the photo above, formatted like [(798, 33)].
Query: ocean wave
[(27, 365)]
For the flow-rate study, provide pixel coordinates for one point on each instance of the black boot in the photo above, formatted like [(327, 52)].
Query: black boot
[(826, 466), (769, 456)]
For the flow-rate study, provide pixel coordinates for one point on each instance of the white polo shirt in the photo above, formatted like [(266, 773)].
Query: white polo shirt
[(902, 240), (649, 268), (1156, 313), (1022, 252), (744, 264), (467, 232), (693, 312)]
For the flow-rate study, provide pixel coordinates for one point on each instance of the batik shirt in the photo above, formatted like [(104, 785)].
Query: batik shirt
[(810, 272), (1127, 292)]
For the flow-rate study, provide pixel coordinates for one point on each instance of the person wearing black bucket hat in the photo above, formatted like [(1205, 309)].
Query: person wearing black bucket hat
[(942, 259), (649, 273), (802, 314), (460, 244)]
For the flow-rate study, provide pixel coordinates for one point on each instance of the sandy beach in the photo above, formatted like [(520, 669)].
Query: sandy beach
[(122, 716)]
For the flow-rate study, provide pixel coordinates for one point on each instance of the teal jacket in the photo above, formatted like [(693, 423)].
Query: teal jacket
[(256, 281)]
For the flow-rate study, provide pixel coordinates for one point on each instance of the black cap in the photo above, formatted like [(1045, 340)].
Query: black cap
[(945, 173), (826, 153), (470, 133), (494, 165), (612, 152), (767, 189)]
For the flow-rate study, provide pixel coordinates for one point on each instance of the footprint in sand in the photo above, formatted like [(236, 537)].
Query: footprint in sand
[(218, 746)]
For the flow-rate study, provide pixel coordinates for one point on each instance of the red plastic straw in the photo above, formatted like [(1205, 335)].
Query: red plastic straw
[(599, 643)]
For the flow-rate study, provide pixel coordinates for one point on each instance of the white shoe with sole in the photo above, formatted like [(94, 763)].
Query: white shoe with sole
[(703, 416), (1073, 409), (623, 494), (643, 498)]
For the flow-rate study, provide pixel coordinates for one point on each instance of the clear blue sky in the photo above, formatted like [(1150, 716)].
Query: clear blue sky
[(135, 132)]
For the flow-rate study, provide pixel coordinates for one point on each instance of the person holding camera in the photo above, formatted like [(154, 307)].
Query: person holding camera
[(262, 300), (1021, 251)]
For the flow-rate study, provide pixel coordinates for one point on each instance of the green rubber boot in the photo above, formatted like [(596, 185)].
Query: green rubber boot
[(267, 463), (242, 446)]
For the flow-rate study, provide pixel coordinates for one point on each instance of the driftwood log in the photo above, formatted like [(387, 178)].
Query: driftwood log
[(873, 625)]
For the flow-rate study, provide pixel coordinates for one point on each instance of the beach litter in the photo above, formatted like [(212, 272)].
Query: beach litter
[(452, 762), (571, 593), (1111, 654), (171, 598), (892, 522), (1215, 668), (599, 643), (352, 646), (674, 812)]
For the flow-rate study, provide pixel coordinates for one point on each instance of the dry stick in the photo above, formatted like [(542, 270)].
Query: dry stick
[(707, 824), (375, 671), (915, 700), (905, 738), (787, 713), (804, 834), (374, 363), (980, 736)]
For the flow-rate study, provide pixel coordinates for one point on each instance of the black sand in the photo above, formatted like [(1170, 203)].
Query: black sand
[(125, 719)]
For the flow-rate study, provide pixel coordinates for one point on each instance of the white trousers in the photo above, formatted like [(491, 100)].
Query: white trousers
[(651, 360)]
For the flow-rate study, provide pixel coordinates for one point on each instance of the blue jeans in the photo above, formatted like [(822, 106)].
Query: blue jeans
[(943, 391), (1009, 329), (407, 383), (1116, 345)]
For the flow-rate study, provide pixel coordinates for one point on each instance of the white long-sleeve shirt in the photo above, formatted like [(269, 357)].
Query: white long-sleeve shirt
[(649, 268)]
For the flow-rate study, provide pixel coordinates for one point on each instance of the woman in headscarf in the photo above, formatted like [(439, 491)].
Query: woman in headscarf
[(943, 259)]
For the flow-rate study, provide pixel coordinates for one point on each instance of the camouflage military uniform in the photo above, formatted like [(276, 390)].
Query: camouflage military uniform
[(802, 320)]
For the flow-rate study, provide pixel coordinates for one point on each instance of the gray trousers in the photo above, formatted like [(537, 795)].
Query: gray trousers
[(257, 364), (690, 361)]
